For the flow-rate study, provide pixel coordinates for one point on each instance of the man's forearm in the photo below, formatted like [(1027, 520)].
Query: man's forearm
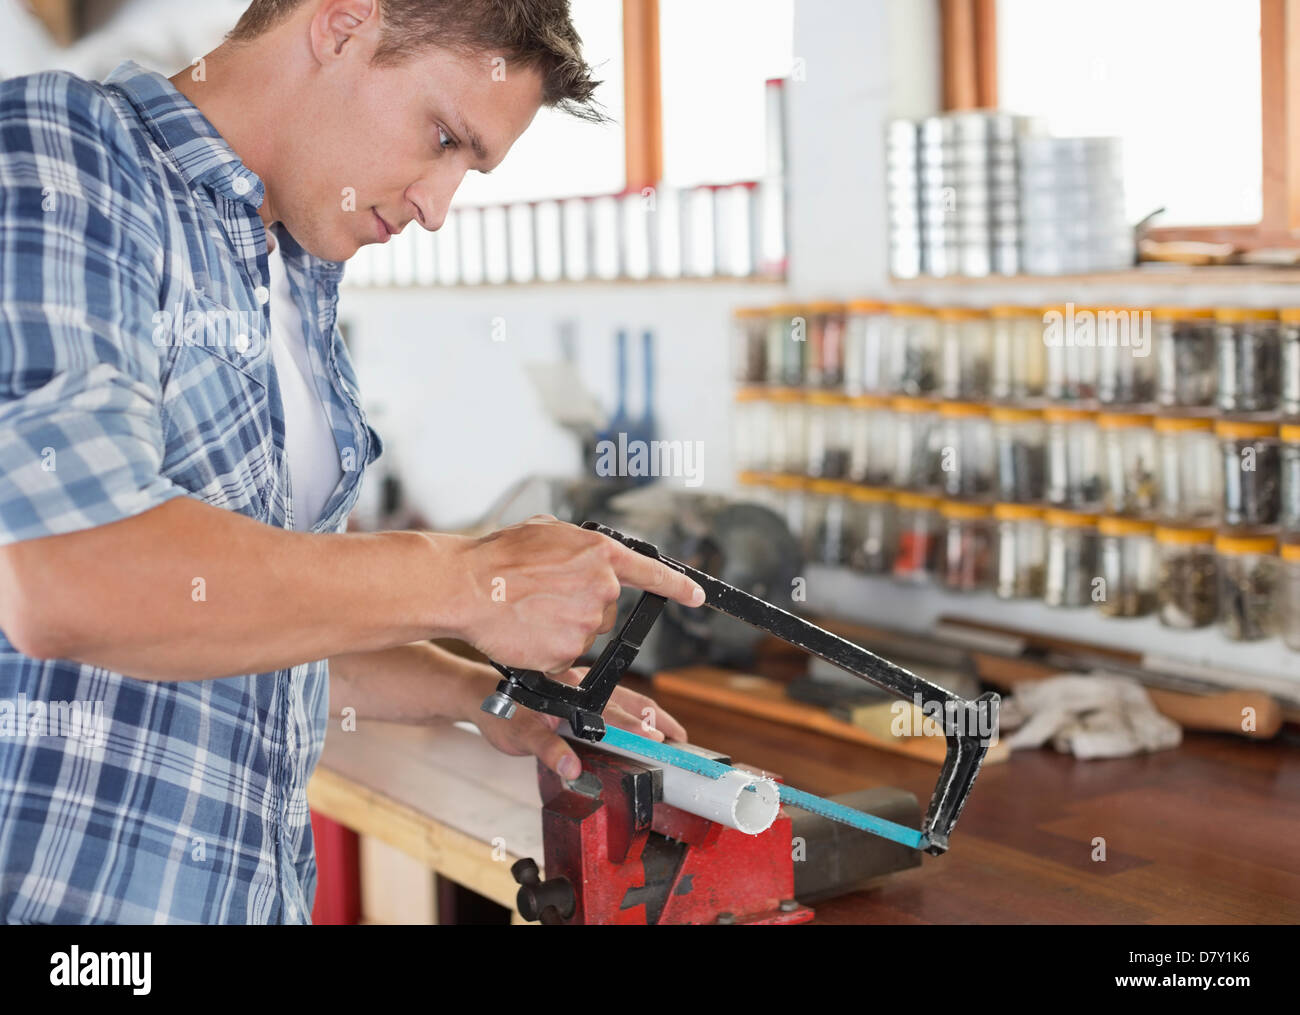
[(188, 591), (412, 683)]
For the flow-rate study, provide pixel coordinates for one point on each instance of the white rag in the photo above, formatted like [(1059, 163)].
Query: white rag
[(1097, 715)]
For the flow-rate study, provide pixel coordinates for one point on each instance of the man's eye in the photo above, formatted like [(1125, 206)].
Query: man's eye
[(445, 140)]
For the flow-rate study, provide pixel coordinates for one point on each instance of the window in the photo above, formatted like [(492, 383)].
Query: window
[(1178, 80), (560, 155), (715, 57)]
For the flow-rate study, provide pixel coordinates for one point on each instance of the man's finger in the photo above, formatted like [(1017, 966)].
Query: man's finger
[(658, 716), (554, 752), (624, 719), (642, 572)]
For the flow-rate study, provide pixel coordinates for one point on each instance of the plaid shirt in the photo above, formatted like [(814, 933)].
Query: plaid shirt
[(134, 368)]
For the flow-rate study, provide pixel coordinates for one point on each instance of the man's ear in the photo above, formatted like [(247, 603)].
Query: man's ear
[(341, 26)]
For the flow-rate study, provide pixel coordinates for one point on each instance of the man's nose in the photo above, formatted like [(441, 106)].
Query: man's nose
[(432, 199)]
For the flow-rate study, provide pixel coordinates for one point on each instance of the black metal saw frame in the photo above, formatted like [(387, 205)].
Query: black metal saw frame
[(969, 726)]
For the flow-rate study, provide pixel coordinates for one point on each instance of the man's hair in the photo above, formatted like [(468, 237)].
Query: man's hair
[(535, 34)]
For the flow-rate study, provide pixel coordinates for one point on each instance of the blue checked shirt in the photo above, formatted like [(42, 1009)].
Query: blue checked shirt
[(135, 368)]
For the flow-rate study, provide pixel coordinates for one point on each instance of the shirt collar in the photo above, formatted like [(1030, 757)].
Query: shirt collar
[(201, 155)]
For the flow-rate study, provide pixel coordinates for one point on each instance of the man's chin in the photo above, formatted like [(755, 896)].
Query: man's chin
[(328, 248)]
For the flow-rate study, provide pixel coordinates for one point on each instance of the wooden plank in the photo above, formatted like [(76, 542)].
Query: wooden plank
[(766, 699), (440, 794), (642, 95), (1180, 275), (1222, 712), (395, 888), (452, 853)]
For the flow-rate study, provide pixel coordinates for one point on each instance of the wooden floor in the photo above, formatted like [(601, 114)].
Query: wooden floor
[(1206, 833)]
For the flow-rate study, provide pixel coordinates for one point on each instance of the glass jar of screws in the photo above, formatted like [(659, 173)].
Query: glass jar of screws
[(1070, 336), (1189, 487), (789, 442), (1021, 551), (1289, 514), (1186, 364), (1073, 458), (966, 552), (1250, 359), (965, 449), (830, 424), (823, 361), (825, 522), (785, 345), (1291, 595), (1071, 558), (872, 440), (749, 350), (918, 538), (872, 529), (916, 452), (1187, 581), (1019, 454), (866, 324), (913, 349), (964, 353), (1290, 318), (1018, 369), (1248, 585), (1250, 456), (1128, 455), (1128, 567), (752, 416), (1126, 370)]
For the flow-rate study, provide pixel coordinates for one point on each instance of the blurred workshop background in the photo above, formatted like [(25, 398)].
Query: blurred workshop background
[(967, 327)]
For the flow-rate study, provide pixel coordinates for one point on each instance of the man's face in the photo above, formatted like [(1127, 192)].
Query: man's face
[(371, 149)]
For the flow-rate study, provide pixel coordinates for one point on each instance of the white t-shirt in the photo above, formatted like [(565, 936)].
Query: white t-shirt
[(314, 467)]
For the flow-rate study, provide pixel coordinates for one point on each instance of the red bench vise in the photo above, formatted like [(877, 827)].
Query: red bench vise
[(616, 853)]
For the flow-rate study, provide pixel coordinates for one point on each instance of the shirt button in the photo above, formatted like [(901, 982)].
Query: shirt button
[(241, 344), (292, 912), (263, 295), (240, 185)]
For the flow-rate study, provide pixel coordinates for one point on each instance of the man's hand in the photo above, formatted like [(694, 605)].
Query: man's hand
[(529, 732), (537, 595)]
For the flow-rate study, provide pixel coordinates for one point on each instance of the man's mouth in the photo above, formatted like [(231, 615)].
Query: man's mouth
[(383, 231)]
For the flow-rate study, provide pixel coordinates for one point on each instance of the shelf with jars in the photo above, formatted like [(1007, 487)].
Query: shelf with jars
[(951, 447)]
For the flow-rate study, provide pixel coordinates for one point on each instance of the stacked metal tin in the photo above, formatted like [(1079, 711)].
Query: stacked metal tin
[(967, 198), (939, 178), (903, 193), (981, 192), (1073, 217)]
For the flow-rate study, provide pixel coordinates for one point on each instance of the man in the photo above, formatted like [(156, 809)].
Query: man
[(172, 504)]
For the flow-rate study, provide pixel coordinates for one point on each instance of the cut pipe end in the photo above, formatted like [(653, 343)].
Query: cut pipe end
[(756, 806)]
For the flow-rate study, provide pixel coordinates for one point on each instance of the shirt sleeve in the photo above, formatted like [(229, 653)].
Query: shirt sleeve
[(81, 441)]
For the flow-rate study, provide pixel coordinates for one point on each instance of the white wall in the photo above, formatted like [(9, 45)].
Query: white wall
[(461, 416)]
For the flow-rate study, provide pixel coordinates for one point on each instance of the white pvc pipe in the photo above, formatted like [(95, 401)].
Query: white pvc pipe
[(727, 800)]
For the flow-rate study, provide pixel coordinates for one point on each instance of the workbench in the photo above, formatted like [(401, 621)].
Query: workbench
[(1205, 833)]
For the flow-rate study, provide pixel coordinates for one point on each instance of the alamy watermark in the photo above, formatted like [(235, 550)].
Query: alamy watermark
[(78, 720), (240, 330), (1098, 328), (935, 718), (638, 458)]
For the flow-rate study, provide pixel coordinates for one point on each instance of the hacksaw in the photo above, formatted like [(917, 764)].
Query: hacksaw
[(969, 726)]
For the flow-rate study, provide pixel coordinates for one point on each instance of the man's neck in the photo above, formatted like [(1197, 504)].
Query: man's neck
[(236, 86)]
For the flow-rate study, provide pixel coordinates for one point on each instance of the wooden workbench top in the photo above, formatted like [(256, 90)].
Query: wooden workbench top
[(1205, 833)]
